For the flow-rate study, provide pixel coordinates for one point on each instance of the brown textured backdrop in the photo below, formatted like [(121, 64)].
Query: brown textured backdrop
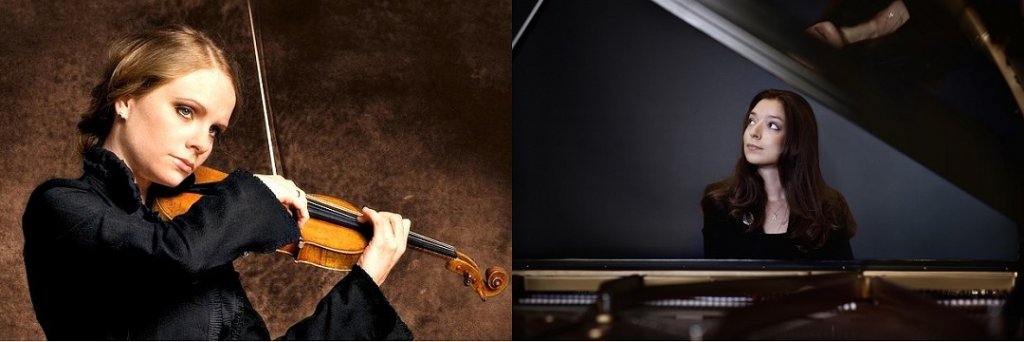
[(399, 105)]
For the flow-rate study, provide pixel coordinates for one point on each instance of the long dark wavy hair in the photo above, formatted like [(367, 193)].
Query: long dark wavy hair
[(820, 210)]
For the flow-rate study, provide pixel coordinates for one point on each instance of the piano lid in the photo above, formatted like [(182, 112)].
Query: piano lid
[(933, 89)]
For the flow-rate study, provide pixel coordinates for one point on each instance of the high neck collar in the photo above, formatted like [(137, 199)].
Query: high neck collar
[(119, 181), (116, 177)]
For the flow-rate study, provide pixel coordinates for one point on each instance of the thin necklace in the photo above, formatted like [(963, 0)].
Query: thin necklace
[(775, 215)]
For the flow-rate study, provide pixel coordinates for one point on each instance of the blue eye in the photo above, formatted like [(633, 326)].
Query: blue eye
[(215, 131), (185, 112)]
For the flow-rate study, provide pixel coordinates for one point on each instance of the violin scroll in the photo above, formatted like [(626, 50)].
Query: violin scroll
[(493, 281)]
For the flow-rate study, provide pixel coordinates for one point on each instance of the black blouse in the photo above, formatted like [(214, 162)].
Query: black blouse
[(101, 265), (726, 237)]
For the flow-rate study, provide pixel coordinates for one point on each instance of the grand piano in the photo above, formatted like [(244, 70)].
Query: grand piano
[(623, 111)]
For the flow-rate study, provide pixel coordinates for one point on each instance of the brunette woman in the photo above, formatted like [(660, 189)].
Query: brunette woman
[(776, 204)]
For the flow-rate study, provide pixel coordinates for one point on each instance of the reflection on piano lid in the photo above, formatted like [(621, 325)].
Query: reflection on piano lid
[(764, 299)]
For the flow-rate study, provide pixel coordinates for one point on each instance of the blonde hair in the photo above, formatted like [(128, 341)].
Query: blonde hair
[(138, 63)]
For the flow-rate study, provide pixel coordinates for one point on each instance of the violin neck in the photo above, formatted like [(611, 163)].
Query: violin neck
[(330, 213)]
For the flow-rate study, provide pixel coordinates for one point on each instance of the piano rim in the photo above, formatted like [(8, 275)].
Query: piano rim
[(585, 275)]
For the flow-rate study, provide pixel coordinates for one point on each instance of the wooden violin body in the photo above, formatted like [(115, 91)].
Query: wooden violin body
[(334, 239)]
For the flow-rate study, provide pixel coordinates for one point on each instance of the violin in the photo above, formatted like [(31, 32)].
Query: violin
[(333, 239)]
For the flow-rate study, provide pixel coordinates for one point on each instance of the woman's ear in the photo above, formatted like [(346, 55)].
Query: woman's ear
[(122, 106)]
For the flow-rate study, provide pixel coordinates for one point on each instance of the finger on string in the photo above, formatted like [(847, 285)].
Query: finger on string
[(365, 215)]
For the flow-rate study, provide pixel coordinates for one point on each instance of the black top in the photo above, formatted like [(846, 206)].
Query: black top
[(101, 265), (726, 237)]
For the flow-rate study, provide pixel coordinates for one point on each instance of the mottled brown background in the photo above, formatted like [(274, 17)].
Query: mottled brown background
[(398, 105)]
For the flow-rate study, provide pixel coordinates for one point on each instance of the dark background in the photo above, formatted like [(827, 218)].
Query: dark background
[(623, 113), (402, 106)]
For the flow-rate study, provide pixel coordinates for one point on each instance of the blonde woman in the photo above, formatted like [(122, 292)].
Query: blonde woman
[(101, 265)]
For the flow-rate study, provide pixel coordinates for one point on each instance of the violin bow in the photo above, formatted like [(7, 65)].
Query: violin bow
[(268, 116)]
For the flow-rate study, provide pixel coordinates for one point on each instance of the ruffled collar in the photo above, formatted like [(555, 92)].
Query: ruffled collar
[(119, 181)]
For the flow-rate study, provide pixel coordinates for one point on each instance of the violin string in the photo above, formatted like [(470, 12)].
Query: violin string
[(441, 248), (329, 212), (332, 213)]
